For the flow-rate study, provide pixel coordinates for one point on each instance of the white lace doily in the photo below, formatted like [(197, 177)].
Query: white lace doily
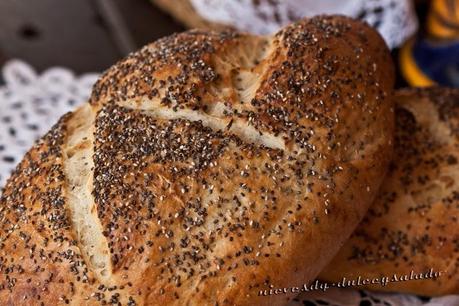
[(394, 19), (349, 297), (31, 103)]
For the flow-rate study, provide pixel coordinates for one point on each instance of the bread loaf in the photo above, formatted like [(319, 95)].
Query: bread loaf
[(206, 167), (413, 224)]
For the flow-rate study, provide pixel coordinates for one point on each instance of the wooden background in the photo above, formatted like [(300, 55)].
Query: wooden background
[(84, 35)]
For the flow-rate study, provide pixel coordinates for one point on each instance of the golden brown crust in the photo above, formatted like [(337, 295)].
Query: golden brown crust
[(222, 164), (40, 262), (413, 225)]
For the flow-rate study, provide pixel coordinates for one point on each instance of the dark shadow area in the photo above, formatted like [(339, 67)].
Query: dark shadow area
[(78, 34)]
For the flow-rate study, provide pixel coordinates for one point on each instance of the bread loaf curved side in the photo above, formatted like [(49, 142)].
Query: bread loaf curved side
[(411, 229)]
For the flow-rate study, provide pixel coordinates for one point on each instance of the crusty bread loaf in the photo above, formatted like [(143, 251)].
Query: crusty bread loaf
[(413, 225), (206, 167)]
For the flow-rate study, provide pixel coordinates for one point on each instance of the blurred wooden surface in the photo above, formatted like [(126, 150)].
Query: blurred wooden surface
[(84, 35)]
